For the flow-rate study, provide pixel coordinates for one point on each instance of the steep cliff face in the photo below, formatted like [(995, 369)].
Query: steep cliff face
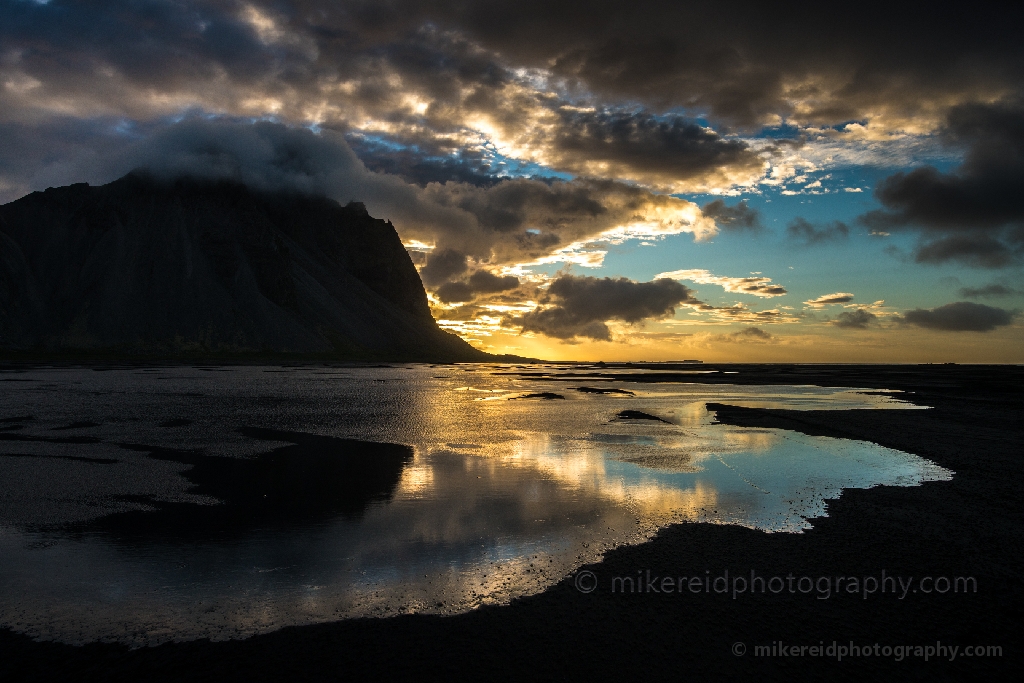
[(152, 267)]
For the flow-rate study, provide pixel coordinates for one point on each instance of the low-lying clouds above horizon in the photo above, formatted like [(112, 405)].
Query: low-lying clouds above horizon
[(531, 155), (825, 299), (756, 285), (857, 319), (961, 316), (580, 306)]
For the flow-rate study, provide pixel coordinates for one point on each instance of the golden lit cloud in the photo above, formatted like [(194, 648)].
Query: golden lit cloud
[(757, 285), (826, 299)]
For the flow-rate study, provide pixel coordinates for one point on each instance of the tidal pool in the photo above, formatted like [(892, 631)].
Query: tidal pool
[(142, 505)]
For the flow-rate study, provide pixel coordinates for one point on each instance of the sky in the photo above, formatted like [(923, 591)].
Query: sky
[(601, 181)]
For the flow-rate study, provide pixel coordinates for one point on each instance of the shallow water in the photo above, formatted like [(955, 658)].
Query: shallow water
[(146, 505)]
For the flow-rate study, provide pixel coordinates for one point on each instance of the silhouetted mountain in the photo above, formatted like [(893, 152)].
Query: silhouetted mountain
[(146, 267)]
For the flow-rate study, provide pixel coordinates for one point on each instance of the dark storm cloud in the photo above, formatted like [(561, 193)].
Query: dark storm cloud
[(480, 282), (744, 62), (455, 292), (536, 242), (973, 214), (741, 60), (442, 61), (978, 250), (671, 147), (144, 58), (992, 291), (962, 316), (580, 306), (733, 218), (424, 73), (150, 43), (459, 82), (857, 319), (984, 192), (415, 166), (809, 234), (506, 207), (443, 265), (486, 282)]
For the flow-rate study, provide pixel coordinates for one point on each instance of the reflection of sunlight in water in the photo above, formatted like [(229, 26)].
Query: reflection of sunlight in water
[(417, 480), (502, 498)]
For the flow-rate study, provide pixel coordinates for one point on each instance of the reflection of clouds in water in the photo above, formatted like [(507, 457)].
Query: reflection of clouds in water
[(486, 533), (750, 440), (502, 498), (761, 478)]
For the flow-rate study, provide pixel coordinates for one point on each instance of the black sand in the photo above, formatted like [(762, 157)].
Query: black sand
[(639, 415), (968, 527)]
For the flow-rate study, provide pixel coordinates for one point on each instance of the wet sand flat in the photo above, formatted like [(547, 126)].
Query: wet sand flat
[(967, 527)]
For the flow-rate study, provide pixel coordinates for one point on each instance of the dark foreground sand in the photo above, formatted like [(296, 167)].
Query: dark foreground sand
[(972, 526)]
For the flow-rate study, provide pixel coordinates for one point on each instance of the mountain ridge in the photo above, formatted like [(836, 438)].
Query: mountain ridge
[(143, 267)]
